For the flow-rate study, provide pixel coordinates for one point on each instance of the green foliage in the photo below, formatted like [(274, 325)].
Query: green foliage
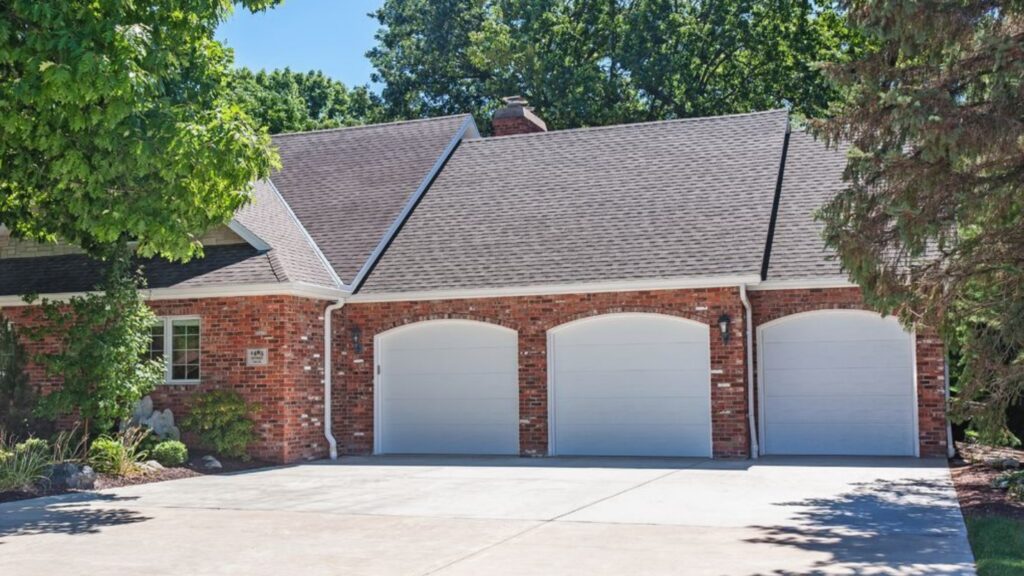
[(116, 121), (932, 222), (101, 339), (286, 101), (170, 453), (33, 445), (18, 399), (118, 455), (998, 545), (21, 469), (221, 419), (598, 62)]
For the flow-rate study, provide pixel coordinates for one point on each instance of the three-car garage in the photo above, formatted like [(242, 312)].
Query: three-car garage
[(640, 384)]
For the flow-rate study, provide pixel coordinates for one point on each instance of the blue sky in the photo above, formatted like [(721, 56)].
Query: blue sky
[(328, 35)]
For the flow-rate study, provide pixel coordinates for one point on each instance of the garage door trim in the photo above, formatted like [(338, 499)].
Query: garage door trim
[(762, 436), (552, 332), (378, 361)]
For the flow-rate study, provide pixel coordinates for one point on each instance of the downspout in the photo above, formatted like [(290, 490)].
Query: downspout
[(328, 433), (748, 329), (950, 444)]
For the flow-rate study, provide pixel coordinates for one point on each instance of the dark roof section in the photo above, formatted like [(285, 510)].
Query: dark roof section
[(814, 175), (662, 200), (232, 264), (347, 186)]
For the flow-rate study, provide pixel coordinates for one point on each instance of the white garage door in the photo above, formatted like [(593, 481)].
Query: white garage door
[(837, 382), (630, 385), (447, 387)]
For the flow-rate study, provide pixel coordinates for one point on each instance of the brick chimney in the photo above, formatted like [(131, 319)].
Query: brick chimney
[(516, 118)]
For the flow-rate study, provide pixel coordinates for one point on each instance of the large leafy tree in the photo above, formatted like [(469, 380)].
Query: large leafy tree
[(287, 101), (593, 62), (115, 123), (932, 222)]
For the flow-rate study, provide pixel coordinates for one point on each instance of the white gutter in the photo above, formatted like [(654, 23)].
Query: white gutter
[(328, 433), (748, 325)]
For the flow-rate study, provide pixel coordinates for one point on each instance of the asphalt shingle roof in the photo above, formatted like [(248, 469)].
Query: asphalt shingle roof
[(292, 253), (229, 264), (813, 175), (347, 186), (664, 200)]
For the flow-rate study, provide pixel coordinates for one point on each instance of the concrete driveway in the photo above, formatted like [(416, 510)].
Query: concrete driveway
[(496, 516)]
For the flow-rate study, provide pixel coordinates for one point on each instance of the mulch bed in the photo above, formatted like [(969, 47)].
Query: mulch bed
[(973, 481), (192, 469)]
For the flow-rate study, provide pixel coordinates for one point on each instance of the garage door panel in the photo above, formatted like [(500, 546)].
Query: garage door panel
[(623, 411), (421, 438), (825, 383), (468, 387), (835, 354), (837, 382), (412, 412), (603, 330), (448, 387), (606, 439), (612, 356), (469, 360), (450, 334), (842, 326), (631, 385)]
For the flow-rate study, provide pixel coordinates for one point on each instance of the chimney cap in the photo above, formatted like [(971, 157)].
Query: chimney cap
[(515, 101)]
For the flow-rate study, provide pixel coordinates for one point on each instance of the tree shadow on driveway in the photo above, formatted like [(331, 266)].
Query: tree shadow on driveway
[(906, 527), (67, 514)]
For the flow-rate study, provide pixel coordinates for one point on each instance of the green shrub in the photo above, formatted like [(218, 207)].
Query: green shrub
[(34, 445), (21, 469), (170, 453), (221, 420), (119, 455)]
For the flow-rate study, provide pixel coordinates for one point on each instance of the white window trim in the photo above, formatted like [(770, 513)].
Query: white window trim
[(168, 322)]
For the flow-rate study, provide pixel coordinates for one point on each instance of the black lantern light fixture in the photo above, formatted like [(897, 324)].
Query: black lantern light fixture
[(723, 324), (357, 340)]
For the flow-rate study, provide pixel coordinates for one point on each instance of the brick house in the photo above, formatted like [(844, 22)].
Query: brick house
[(656, 289)]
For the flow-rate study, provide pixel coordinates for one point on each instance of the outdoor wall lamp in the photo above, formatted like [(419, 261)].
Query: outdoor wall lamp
[(723, 324), (357, 340)]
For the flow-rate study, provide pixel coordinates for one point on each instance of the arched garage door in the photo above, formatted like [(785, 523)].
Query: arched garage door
[(837, 382), (630, 385), (447, 387)]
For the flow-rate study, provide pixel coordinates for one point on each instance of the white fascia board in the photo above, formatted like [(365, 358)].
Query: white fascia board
[(248, 235), (467, 130), (805, 284), (555, 289), (305, 233), (300, 289)]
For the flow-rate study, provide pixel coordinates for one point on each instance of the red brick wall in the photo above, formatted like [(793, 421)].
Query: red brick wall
[(288, 389), (769, 305), (532, 317)]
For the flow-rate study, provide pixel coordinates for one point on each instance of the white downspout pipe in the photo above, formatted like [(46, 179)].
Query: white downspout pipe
[(328, 433), (748, 329)]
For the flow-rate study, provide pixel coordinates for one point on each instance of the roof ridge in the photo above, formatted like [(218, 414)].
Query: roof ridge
[(375, 125), (625, 125)]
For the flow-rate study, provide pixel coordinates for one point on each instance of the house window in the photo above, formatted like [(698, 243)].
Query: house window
[(176, 342)]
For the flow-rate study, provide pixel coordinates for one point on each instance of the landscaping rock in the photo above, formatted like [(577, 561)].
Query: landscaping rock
[(211, 463), (161, 422), (151, 466), (84, 480), (60, 474), (1003, 463)]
